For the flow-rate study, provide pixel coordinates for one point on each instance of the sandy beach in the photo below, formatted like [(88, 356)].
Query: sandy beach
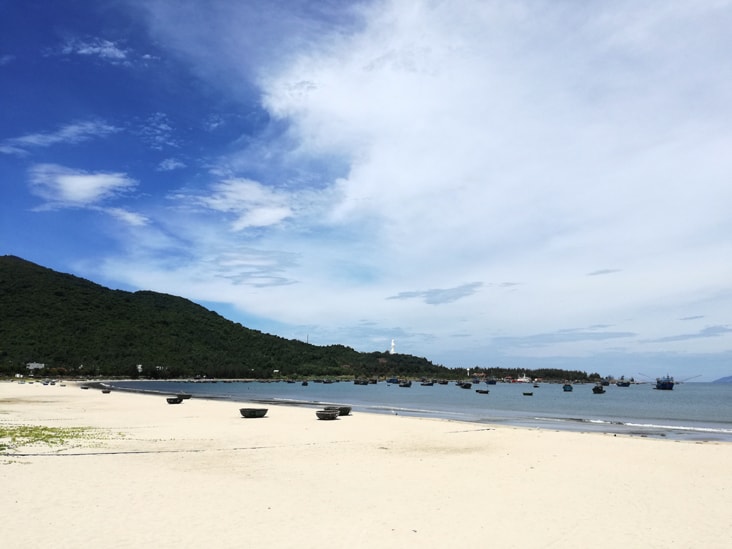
[(148, 474)]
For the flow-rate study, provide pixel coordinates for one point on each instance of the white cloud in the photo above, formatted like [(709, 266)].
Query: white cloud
[(130, 218), (250, 203), (96, 47), (170, 164), (157, 132), (70, 134), (60, 186), (474, 141)]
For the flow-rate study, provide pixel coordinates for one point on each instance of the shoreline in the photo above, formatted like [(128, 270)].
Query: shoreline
[(157, 475), (670, 429)]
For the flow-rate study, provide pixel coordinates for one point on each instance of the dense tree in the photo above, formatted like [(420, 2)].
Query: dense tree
[(77, 327)]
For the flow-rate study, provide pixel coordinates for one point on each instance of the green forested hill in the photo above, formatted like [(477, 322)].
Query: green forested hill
[(65, 322)]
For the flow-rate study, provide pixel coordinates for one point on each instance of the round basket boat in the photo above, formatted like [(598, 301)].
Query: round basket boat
[(342, 410), (253, 412), (327, 414), (174, 400)]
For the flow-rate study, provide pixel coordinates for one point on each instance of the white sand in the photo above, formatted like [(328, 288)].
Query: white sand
[(199, 475)]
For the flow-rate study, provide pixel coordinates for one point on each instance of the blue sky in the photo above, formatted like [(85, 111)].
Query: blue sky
[(519, 183)]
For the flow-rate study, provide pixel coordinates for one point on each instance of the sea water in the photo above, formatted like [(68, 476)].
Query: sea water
[(691, 411)]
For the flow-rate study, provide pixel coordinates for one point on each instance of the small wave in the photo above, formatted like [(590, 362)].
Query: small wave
[(648, 426), (412, 411), (689, 428)]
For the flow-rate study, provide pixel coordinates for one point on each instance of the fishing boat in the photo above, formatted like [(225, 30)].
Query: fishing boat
[(327, 414), (598, 389), (567, 387), (482, 391), (253, 412), (665, 383), (342, 410)]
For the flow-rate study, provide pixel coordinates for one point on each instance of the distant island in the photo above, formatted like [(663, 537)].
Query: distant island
[(727, 379), (61, 325)]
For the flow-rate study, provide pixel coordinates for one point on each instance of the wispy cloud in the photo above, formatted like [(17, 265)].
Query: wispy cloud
[(603, 272), (441, 296), (170, 164), (133, 219), (157, 132), (249, 203), (709, 331), (103, 49), (561, 337), (70, 134), (6, 59), (61, 187)]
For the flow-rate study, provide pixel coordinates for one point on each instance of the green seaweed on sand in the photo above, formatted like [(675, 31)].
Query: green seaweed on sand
[(17, 436)]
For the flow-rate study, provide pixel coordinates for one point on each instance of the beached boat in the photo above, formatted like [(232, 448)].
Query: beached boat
[(598, 389), (342, 410), (327, 414), (665, 383), (183, 396), (567, 388), (253, 412), (174, 400), (106, 391)]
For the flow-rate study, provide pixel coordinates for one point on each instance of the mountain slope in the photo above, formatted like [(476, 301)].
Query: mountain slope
[(76, 326)]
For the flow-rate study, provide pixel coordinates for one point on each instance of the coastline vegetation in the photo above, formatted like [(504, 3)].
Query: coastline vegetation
[(18, 436), (77, 328)]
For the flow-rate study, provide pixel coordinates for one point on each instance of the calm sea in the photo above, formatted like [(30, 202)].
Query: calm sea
[(691, 411)]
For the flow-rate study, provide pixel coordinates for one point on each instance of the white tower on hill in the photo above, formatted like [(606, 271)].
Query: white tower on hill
[(393, 347)]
